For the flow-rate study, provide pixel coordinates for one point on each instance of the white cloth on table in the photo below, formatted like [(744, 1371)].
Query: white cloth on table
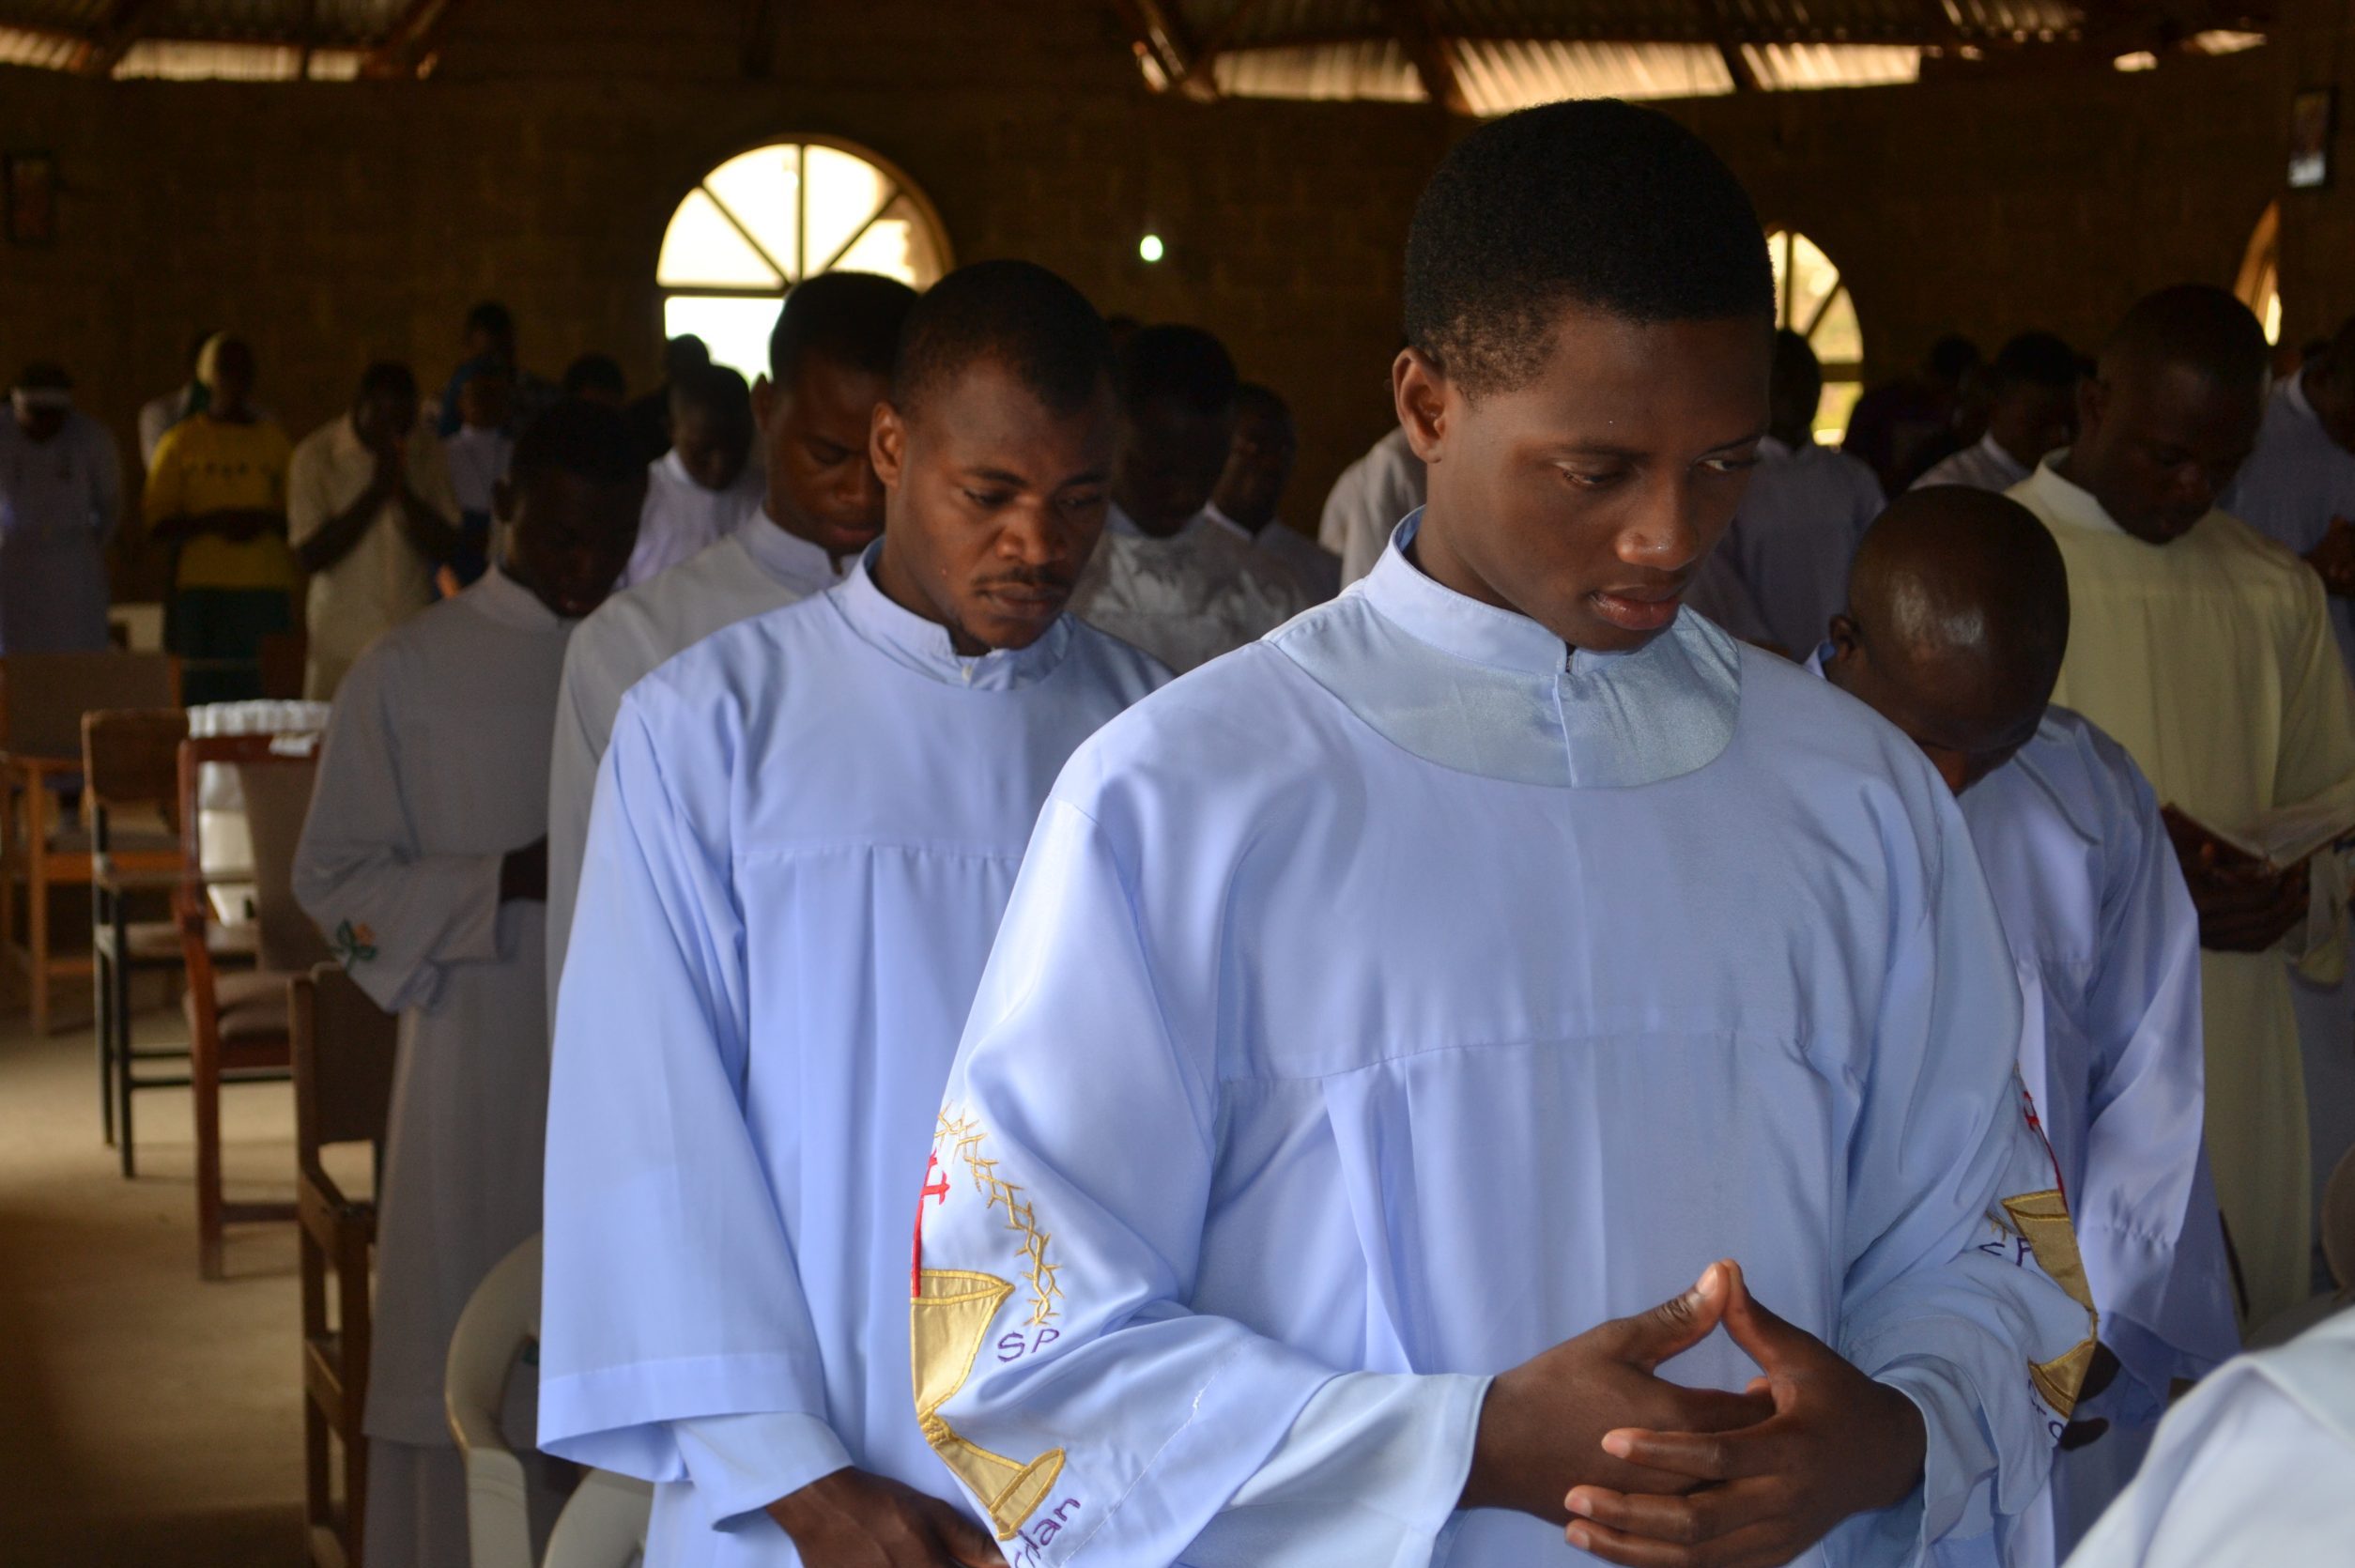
[(1796, 535), (1205, 1167), (1985, 465), (2251, 1468), (805, 831), (682, 518), (1186, 599), (434, 769), (1368, 500), (759, 567)]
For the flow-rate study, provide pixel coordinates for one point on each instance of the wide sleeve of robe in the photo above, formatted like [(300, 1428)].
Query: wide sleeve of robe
[(671, 1290), (396, 916), (2147, 1218)]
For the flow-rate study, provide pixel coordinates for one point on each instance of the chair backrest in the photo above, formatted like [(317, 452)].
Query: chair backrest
[(43, 696), (345, 1046), (501, 1319), (603, 1525), (130, 758), (277, 799), (264, 754), (2338, 1223)]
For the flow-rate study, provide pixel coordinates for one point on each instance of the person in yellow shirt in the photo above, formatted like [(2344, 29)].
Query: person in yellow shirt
[(216, 494)]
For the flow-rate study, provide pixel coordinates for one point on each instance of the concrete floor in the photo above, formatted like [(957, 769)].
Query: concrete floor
[(145, 1417)]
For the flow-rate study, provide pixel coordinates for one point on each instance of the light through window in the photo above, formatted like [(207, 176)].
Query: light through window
[(768, 218), (1812, 301), (2260, 282)]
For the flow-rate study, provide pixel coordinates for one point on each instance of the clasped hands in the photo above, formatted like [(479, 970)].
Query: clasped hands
[(1651, 1474), (2245, 904)]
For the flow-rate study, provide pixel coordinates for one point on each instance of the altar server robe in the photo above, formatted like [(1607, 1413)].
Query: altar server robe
[(1800, 522), (807, 828), (2295, 483), (1366, 502), (759, 567), (2210, 660), (2107, 945), (1652, 959), (435, 766), (683, 519), (1202, 591), (2251, 1468)]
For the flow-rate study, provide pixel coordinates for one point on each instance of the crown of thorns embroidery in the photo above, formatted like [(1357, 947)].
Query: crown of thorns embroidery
[(965, 1138)]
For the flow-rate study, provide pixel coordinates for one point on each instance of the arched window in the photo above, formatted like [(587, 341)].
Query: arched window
[(768, 218), (2260, 283), (1812, 301)]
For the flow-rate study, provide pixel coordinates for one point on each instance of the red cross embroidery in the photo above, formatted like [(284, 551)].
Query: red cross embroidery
[(935, 1188)]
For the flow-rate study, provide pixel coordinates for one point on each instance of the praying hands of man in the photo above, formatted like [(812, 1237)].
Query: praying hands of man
[(2245, 904), (1759, 1477)]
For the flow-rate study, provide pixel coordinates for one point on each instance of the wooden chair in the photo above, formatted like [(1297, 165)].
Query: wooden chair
[(344, 1050), (130, 763), (42, 698), (240, 1028)]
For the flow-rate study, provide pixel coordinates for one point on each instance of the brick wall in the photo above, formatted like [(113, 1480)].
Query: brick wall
[(333, 223)]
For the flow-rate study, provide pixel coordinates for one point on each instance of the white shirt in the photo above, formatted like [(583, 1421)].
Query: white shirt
[(1796, 535), (384, 579), (1186, 599), (59, 502), (2249, 1468), (2293, 485), (1984, 467), (478, 456), (156, 417), (434, 767), (807, 827), (1316, 570), (759, 567), (682, 518), (1368, 502), (1285, 1201)]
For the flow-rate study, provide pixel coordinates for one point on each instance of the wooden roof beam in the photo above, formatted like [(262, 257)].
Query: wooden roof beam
[(1163, 35), (1418, 29), (125, 25), (411, 41)]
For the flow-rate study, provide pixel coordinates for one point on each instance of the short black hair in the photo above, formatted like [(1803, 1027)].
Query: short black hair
[(2199, 325), (2036, 359), (1595, 203), (492, 318), (44, 376), (1015, 313), (594, 372), (386, 379), (1259, 397), (684, 353), (1951, 358), (1184, 364), (853, 318), (586, 440), (1797, 373), (714, 390)]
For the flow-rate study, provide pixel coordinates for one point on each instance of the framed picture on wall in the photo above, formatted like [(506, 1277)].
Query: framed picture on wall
[(2313, 116), (32, 198)]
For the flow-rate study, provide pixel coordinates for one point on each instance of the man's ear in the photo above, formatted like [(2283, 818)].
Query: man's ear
[(1419, 388), (887, 443), (1846, 642)]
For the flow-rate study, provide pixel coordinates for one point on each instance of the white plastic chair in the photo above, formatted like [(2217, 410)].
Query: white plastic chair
[(603, 1523)]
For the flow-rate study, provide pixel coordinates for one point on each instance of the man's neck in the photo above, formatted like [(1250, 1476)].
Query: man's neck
[(1798, 438), (898, 584), (1147, 528)]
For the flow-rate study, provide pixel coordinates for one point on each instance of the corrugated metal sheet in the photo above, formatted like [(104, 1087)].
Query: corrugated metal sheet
[(1375, 69), (180, 61), (1500, 76), (69, 15), (46, 51), (1267, 23), (1796, 66)]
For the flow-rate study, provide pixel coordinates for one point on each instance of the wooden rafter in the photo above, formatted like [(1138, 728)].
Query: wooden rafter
[(1161, 34), (411, 40), (1198, 83), (1418, 29), (125, 25)]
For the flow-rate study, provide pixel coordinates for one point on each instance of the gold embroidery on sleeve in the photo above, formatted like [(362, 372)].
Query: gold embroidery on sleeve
[(2043, 1218), (965, 1138)]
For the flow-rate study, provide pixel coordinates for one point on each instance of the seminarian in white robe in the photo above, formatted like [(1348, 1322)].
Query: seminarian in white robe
[(806, 831), (1797, 531), (2107, 945), (1366, 502), (1985, 465), (2209, 659), (2251, 1468), (759, 567), (1202, 591), (1652, 959), (434, 767), (1315, 569), (683, 519)]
